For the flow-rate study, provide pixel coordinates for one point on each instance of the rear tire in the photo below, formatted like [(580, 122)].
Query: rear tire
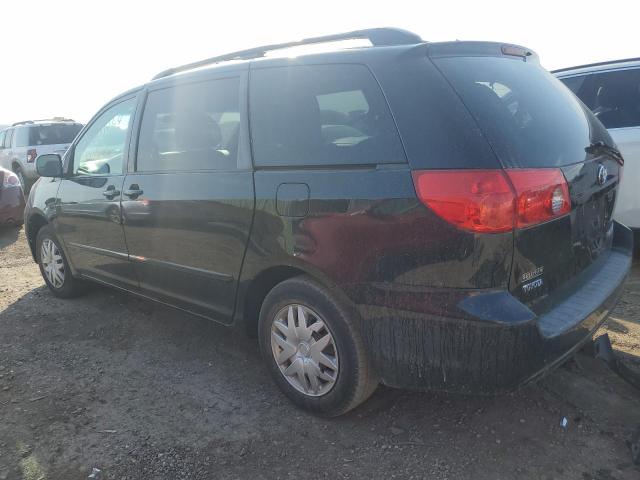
[(328, 369), (54, 266)]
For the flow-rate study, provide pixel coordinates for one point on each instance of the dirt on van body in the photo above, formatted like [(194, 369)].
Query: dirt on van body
[(140, 391)]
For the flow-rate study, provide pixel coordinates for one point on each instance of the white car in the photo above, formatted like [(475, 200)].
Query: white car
[(612, 91), (21, 143)]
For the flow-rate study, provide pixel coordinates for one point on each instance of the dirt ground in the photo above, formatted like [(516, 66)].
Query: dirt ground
[(141, 391)]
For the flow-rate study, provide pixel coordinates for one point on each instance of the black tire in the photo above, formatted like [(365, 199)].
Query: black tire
[(71, 286), (23, 180), (355, 380)]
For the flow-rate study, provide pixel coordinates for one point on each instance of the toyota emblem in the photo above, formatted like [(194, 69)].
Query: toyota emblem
[(602, 175)]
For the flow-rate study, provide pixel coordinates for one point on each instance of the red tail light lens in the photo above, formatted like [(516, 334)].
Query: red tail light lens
[(477, 200), (31, 155), (541, 194), (494, 201), (10, 180)]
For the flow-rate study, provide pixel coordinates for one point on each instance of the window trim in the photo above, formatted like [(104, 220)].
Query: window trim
[(243, 159), (69, 157)]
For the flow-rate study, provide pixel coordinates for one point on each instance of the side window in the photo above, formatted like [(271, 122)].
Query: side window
[(100, 150), (191, 127), (2, 139), (574, 83), (614, 97), (321, 115), (7, 138), (22, 136)]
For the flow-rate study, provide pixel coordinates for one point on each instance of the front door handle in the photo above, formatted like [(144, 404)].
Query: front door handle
[(111, 192), (133, 192)]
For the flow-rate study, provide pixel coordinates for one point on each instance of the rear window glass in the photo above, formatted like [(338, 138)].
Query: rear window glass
[(614, 97), (321, 115), (528, 116), (58, 133)]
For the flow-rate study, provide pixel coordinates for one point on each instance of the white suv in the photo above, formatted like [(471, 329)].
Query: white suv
[(21, 143), (612, 91)]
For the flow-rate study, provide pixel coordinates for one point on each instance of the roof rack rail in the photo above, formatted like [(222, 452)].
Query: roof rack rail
[(54, 119), (597, 64), (377, 37)]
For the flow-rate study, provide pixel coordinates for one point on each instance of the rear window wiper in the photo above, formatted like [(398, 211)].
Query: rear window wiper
[(600, 146)]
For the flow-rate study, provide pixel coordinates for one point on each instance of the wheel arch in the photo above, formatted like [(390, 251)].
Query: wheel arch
[(33, 225), (253, 291)]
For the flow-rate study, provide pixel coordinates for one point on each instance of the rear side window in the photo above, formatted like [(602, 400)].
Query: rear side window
[(22, 136), (614, 97), (54, 134), (321, 115), (528, 116), (191, 127)]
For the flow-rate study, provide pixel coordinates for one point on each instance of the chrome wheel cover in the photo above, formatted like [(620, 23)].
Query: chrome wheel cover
[(304, 350), (52, 263)]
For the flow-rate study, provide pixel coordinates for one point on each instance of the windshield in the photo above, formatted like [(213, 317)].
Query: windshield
[(528, 116), (53, 134)]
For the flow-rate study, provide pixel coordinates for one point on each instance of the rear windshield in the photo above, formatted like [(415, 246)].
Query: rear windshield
[(53, 134), (528, 116)]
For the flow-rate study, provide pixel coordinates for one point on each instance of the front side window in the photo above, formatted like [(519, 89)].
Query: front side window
[(191, 127), (321, 115), (100, 150), (614, 97)]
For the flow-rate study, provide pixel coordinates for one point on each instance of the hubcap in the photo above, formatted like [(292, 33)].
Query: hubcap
[(52, 263), (304, 350)]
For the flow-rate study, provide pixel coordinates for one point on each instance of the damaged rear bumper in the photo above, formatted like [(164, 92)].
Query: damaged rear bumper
[(484, 342)]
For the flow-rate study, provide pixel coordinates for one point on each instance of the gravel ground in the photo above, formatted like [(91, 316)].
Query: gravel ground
[(141, 391)]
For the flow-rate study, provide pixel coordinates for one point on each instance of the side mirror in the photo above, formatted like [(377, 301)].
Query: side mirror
[(49, 165)]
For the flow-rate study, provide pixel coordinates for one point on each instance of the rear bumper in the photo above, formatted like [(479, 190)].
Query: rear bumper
[(484, 342), (11, 206)]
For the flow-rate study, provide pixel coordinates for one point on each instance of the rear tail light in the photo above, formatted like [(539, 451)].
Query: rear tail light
[(541, 194), (31, 155), (494, 201), (10, 180)]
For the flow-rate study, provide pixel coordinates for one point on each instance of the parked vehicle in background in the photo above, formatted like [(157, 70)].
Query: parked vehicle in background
[(424, 215), (11, 199), (612, 91), (24, 141)]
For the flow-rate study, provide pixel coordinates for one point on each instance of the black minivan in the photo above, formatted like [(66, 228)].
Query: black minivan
[(422, 215)]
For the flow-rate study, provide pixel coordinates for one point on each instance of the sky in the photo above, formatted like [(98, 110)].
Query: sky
[(68, 58)]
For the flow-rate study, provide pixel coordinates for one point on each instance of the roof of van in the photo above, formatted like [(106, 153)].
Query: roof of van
[(384, 42)]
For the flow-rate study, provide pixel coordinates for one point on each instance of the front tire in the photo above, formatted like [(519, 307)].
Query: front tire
[(54, 266), (312, 350)]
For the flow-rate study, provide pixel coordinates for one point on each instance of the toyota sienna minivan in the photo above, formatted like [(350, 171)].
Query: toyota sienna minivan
[(433, 216)]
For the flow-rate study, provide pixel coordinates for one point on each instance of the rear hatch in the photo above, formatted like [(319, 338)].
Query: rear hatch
[(552, 148), (53, 137)]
